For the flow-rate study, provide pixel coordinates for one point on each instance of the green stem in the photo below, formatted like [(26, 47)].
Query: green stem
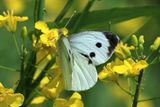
[(21, 85), (64, 11), (42, 59), (38, 10), (85, 12), (155, 98), (35, 84), (7, 68), (126, 91), (136, 95), (16, 43)]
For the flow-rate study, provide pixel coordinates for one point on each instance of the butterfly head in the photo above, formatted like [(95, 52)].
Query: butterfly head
[(112, 38)]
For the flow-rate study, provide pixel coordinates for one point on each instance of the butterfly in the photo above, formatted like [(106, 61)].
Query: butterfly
[(80, 54)]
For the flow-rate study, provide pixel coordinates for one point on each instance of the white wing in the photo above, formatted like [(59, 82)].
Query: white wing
[(65, 58), (84, 75), (98, 46), (78, 73)]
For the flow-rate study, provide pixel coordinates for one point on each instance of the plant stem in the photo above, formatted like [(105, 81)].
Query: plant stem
[(7, 68), (16, 43), (126, 91), (154, 98), (38, 10), (136, 95), (64, 11), (21, 85), (85, 12)]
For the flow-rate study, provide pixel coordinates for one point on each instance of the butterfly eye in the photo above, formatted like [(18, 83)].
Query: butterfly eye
[(98, 44)]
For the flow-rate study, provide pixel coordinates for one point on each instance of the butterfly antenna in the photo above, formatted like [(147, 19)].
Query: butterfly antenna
[(109, 26), (70, 18)]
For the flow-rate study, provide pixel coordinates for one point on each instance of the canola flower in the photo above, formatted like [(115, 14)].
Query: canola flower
[(9, 21), (49, 37), (73, 101), (123, 51), (126, 67), (52, 84), (10, 99)]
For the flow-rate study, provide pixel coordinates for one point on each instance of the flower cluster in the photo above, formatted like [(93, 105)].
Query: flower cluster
[(126, 63), (10, 99), (10, 22)]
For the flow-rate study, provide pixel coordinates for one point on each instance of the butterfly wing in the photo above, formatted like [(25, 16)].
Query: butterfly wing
[(84, 75), (97, 46), (65, 57), (78, 73)]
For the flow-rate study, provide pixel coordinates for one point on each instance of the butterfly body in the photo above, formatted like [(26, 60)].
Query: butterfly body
[(79, 55)]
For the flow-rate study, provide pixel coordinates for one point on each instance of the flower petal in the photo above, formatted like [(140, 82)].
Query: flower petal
[(40, 25)]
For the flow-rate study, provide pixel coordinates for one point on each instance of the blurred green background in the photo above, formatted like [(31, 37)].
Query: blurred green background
[(102, 95)]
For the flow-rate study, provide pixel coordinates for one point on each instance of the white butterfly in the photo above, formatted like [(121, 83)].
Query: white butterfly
[(79, 55)]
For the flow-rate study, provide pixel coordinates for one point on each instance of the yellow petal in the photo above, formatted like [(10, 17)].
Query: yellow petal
[(1, 85), (75, 96), (60, 103), (77, 103), (21, 18), (44, 38), (64, 31), (2, 18), (102, 75), (40, 25), (44, 81), (140, 65), (38, 100), (121, 69), (14, 100)]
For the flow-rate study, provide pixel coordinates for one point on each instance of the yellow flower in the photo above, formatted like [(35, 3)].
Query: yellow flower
[(107, 72), (10, 99), (123, 51), (52, 85), (73, 101), (50, 36), (129, 67), (10, 22), (126, 67)]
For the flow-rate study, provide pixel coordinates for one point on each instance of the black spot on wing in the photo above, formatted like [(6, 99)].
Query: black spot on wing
[(92, 54), (99, 45), (89, 60)]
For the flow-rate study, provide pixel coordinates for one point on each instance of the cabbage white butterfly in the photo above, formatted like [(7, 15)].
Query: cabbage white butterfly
[(80, 53)]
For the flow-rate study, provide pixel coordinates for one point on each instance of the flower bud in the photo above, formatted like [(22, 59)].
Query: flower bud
[(156, 44), (24, 32), (153, 47), (126, 52), (141, 48), (141, 39), (134, 40)]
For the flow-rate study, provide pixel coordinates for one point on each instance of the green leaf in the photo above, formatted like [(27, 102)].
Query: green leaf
[(99, 19)]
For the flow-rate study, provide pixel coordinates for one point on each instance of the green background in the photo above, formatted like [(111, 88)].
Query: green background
[(116, 11)]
